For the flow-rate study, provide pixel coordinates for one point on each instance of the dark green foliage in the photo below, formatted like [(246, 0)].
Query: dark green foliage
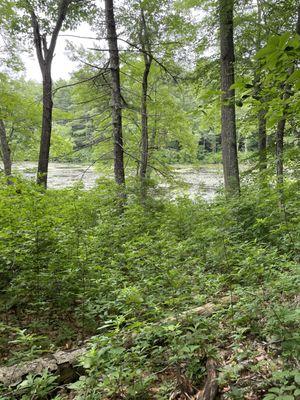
[(72, 266)]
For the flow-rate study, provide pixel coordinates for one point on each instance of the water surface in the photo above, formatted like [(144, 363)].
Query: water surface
[(187, 179)]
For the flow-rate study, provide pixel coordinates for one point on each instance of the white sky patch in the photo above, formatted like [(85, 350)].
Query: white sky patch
[(62, 66)]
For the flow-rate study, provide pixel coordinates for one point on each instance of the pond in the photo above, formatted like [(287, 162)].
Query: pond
[(186, 179)]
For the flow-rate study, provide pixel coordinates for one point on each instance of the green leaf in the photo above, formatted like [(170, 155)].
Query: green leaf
[(297, 378), (270, 396), (274, 390), (295, 76)]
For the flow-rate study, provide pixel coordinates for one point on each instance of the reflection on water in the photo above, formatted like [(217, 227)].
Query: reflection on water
[(61, 175), (198, 180)]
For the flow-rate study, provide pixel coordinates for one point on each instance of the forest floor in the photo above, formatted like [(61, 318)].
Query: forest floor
[(78, 272)]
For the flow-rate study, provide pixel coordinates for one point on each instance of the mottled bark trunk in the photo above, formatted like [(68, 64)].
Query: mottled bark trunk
[(5, 150), (262, 123), (144, 39), (144, 123), (42, 175), (228, 130), (115, 93)]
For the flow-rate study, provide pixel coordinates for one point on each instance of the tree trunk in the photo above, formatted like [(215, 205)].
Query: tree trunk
[(144, 112), (144, 106), (45, 55), (262, 123), (5, 150), (228, 130), (144, 123), (153, 134), (115, 93), (46, 127)]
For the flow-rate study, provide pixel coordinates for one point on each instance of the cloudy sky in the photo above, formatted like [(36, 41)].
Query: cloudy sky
[(62, 66)]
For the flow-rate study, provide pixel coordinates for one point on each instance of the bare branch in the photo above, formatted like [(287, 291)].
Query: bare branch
[(78, 83)]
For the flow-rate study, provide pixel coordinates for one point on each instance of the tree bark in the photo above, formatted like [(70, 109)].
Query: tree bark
[(5, 150), (144, 121), (62, 363), (45, 56), (152, 140), (228, 120), (115, 92), (262, 122), (43, 163), (144, 112), (210, 389)]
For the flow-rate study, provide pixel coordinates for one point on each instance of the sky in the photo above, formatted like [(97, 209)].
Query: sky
[(62, 66)]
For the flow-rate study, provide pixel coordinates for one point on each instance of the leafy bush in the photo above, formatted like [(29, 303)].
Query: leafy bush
[(74, 265)]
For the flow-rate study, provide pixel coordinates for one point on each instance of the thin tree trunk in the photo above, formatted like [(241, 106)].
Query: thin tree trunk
[(5, 150), (144, 122), (45, 55), (46, 127), (115, 92), (144, 104), (153, 134), (144, 112), (228, 130), (262, 122)]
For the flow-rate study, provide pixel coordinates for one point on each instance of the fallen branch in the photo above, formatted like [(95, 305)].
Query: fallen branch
[(207, 310), (63, 363)]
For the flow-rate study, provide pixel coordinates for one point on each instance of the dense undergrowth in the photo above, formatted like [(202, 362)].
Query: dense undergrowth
[(73, 266)]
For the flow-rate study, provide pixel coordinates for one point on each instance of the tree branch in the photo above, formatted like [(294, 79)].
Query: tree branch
[(36, 35), (63, 8)]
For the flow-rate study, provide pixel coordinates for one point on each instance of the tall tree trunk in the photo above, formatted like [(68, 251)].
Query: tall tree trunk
[(46, 127), (262, 122), (144, 122), (144, 104), (115, 92), (153, 134), (45, 55), (5, 150), (228, 130)]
